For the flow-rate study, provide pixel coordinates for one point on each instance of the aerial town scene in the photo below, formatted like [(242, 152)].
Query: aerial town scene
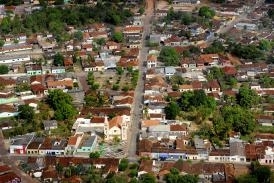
[(136, 91)]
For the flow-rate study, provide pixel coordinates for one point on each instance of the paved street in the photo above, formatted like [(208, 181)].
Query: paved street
[(138, 97), (4, 157)]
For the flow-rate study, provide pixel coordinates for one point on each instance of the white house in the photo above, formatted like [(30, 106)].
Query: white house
[(53, 147), (18, 144), (151, 61), (73, 143), (7, 59)]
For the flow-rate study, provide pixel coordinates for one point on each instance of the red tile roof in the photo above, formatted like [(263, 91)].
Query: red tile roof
[(229, 70), (9, 177)]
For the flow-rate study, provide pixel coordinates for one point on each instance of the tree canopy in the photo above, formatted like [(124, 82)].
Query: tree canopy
[(247, 97), (147, 178), (195, 99), (55, 20), (169, 56), (246, 51), (26, 112), (117, 37), (172, 110), (206, 12), (239, 119), (58, 59), (62, 104), (175, 177), (4, 69)]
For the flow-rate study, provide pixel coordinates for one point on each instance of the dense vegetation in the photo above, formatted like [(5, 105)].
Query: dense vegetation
[(169, 56), (259, 173), (204, 16), (55, 20)]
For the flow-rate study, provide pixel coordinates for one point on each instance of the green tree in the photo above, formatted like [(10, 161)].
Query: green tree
[(247, 97), (78, 35), (95, 154), (26, 112), (215, 47), (263, 174), (172, 110), (93, 176), (220, 127), (239, 119), (4, 69), (114, 178), (2, 42), (118, 37), (206, 12), (123, 164), (62, 105), (265, 45), (247, 179), (119, 70), (147, 178), (58, 59), (169, 56)]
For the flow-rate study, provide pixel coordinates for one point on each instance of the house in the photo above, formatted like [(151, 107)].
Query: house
[(208, 60), (212, 86), (8, 111), (246, 26), (58, 70), (161, 13), (235, 153), (155, 85), (196, 30), (34, 70), (229, 70), (151, 61), (15, 47), (206, 172), (125, 63), (116, 127), (38, 89), (263, 137), (253, 152), (96, 66), (34, 145), (131, 29), (53, 147), (164, 131), (87, 145), (265, 120), (169, 71), (185, 2), (98, 35), (111, 45), (18, 144), (9, 177), (126, 101), (185, 87), (173, 41), (68, 62), (74, 142), (145, 167), (50, 124), (16, 58), (188, 63), (66, 83), (87, 47)]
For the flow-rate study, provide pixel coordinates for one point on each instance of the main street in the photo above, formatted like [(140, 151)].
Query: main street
[(138, 96), (5, 158)]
